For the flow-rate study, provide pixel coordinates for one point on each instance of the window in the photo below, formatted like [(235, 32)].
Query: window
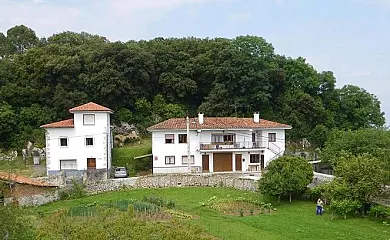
[(89, 141), (89, 119), (169, 159), (254, 158), (253, 137), (169, 138), (68, 164), (63, 142), (184, 159), (182, 138), (226, 138), (271, 137)]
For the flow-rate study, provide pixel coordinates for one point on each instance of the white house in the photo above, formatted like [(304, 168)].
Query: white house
[(81, 143), (216, 144)]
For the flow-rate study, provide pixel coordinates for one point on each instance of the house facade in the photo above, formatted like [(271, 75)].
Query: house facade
[(216, 144), (81, 143)]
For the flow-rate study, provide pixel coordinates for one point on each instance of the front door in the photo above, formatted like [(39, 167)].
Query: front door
[(205, 163), (238, 162), (91, 163)]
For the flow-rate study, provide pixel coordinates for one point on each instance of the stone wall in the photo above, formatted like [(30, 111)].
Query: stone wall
[(176, 180), (34, 200)]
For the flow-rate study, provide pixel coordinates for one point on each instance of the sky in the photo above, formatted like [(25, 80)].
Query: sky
[(348, 37)]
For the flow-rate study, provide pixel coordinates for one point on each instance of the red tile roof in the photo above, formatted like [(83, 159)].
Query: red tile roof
[(90, 107), (61, 124), (217, 123), (24, 180)]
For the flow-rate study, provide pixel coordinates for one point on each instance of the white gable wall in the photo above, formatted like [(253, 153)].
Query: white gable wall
[(77, 148)]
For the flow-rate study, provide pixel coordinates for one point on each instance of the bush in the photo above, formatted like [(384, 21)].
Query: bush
[(286, 176), (344, 207), (379, 212), (77, 190)]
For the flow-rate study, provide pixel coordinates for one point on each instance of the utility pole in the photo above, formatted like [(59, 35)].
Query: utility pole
[(188, 144)]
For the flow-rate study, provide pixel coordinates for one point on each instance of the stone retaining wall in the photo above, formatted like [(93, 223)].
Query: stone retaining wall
[(34, 200), (175, 180)]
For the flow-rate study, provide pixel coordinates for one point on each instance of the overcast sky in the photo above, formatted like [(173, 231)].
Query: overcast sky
[(349, 37)]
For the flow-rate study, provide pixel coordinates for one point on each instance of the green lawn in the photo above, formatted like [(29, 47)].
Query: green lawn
[(291, 221), (124, 156)]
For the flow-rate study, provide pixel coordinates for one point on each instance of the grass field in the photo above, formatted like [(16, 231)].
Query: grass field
[(291, 221), (124, 156)]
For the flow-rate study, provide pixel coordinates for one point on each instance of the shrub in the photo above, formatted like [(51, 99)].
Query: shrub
[(344, 207), (77, 190), (379, 212)]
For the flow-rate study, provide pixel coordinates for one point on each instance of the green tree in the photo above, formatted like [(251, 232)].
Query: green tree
[(357, 109), (8, 121), (22, 38), (359, 178), (371, 141), (318, 136), (286, 176)]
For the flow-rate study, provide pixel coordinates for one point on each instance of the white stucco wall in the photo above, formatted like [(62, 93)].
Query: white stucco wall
[(77, 148), (160, 149)]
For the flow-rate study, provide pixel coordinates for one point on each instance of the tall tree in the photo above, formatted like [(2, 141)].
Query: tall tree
[(22, 38)]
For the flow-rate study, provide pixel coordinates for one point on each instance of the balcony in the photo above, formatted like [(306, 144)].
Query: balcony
[(208, 146)]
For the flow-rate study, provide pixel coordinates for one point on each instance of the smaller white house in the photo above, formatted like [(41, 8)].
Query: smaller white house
[(216, 144), (81, 143)]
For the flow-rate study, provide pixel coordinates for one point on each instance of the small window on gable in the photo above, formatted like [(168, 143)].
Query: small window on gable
[(63, 142), (271, 137), (169, 138), (182, 138), (89, 119), (89, 141)]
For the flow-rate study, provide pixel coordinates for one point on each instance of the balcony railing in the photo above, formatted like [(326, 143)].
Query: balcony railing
[(232, 145)]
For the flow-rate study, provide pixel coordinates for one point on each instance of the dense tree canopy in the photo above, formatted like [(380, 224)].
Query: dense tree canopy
[(374, 142), (149, 81)]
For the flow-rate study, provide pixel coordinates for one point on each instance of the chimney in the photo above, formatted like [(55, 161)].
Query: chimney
[(256, 117), (200, 118)]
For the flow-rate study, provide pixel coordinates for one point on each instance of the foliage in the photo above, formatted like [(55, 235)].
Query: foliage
[(145, 82), (379, 212), (113, 224), (13, 225), (363, 176), (77, 190), (286, 175), (344, 207), (124, 156), (318, 136), (159, 201), (371, 141)]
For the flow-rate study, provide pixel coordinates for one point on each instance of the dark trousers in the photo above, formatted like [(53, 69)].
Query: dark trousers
[(319, 210)]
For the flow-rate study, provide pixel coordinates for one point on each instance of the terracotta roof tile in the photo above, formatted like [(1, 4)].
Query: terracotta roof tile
[(61, 124), (24, 180), (217, 123), (90, 107)]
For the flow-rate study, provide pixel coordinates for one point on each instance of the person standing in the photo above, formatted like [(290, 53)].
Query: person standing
[(320, 206)]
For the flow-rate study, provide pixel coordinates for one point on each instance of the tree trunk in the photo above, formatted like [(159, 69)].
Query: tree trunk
[(290, 198), (279, 199)]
